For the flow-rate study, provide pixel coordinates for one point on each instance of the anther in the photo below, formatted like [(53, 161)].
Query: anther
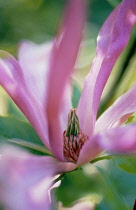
[(74, 138)]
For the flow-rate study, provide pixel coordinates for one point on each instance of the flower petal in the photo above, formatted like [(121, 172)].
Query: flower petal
[(89, 151), (21, 85), (34, 60), (112, 40), (25, 179), (64, 55), (119, 139), (119, 112)]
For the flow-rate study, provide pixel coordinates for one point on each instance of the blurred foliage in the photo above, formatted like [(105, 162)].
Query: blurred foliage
[(20, 133), (38, 21), (127, 163), (29, 19), (114, 3), (104, 183), (84, 185), (76, 95)]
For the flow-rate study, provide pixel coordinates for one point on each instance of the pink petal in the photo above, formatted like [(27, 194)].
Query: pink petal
[(112, 40), (63, 60), (21, 85), (119, 112), (89, 151), (119, 139), (34, 60), (25, 179)]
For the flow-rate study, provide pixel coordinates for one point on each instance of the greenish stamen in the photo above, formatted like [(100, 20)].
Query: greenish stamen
[(73, 137), (73, 127)]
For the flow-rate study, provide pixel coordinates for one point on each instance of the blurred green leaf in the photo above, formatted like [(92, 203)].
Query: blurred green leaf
[(112, 197), (133, 118), (11, 127), (114, 3), (128, 78), (99, 11), (119, 187), (76, 95), (30, 146), (104, 157), (34, 20), (78, 184), (103, 183), (8, 107), (20, 133), (124, 182), (13, 110), (127, 163)]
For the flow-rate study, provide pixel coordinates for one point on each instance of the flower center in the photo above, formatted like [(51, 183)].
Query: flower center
[(73, 137)]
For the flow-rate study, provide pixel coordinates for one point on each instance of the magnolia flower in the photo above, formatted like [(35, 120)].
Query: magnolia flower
[(39, 85)]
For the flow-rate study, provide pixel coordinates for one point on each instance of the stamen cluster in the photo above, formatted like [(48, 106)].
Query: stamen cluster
[(73, 137)]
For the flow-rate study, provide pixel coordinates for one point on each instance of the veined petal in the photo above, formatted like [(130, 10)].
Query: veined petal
[(64, 55), (119, 112), (17, 83), (26, 179), (112, 40), (119, 139)]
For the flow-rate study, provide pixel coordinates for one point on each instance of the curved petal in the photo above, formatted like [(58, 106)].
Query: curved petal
[(119, 139), (25, 179), (64, 55), (112, 40), (119, 112), (89, 151), (22, 88)]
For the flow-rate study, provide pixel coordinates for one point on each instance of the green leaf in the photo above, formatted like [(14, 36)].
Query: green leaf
[(114, 3), (104, 157), (11, 127), (119, 187), (94, 183), (129, 77), (112, 197), (133, 118), (21, 133), (76, 95), (102, 183), (125, 184), (127, 163), (31, 146), (78, 184)]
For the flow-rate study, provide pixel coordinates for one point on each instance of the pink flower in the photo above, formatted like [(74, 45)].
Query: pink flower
[(39, 84)]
